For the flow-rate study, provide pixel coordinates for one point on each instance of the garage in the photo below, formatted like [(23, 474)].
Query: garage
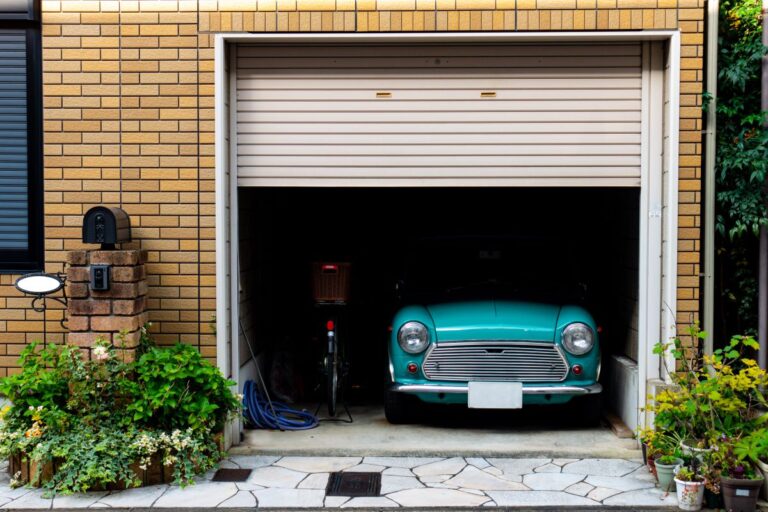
[(366, 151)]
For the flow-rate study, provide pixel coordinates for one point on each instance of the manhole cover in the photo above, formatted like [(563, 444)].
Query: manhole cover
[(231, 475), (354, 484)]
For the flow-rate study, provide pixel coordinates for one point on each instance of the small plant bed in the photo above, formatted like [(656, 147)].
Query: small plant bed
[(79, 424), (712, 420)]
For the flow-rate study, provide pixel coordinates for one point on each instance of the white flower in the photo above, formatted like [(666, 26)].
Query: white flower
[(100, 353)]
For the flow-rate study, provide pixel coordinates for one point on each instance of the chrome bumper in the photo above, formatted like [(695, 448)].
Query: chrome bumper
[(462, 389)]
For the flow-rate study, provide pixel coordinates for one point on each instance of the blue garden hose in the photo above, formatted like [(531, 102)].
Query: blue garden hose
[(263, 413)]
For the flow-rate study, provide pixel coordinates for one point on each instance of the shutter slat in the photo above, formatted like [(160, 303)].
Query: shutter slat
[(14, 191)]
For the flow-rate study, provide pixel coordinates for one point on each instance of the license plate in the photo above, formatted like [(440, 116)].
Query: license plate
[(495, 395)]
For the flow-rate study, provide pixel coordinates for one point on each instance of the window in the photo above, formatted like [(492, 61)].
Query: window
[(21, 201)]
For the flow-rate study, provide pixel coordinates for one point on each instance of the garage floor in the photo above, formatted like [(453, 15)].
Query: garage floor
[(463, 433)]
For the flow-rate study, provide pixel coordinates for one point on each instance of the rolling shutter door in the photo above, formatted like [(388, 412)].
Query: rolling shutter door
[(447, 115)]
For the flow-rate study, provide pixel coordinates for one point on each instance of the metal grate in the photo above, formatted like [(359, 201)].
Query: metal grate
[(495, 361), (231, 475), (354, 485)]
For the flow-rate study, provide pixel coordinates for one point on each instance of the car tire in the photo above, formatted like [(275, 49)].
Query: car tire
[(397, 408), (588, 410)]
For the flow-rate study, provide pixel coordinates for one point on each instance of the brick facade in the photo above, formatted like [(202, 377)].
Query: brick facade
[(129, 121)]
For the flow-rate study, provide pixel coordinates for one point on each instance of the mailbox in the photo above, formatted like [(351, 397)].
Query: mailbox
[(106, 226)]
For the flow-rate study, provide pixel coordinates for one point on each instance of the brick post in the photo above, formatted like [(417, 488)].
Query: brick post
[(115, 315)]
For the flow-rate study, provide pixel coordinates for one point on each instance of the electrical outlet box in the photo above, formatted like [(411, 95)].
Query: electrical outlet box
[(100, 277)]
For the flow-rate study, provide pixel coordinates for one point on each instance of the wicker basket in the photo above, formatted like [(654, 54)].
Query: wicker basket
[(330, 282)]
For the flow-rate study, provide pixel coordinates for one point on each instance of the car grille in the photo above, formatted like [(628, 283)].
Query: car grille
[(495, 361)]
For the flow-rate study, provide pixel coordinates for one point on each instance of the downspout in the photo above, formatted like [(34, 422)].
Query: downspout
[(762, 300), (713, 8)]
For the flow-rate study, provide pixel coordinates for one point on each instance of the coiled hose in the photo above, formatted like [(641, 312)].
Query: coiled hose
[(263, 413)]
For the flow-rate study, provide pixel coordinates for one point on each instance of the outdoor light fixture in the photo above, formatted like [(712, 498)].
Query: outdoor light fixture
[(41, 285)]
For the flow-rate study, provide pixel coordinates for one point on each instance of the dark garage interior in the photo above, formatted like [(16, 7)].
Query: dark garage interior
[(552, 244)]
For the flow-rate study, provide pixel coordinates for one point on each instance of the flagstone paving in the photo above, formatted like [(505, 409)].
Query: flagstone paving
[(407, 482)]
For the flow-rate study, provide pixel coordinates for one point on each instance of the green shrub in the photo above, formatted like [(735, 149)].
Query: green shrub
[(99, 419)]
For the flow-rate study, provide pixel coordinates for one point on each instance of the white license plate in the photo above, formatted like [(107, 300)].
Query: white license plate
[(495, 395)]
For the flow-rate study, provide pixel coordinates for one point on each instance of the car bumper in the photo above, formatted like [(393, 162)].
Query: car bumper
[(462, 389)]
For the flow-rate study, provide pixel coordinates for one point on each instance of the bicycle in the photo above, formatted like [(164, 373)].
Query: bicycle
[(331, 290)]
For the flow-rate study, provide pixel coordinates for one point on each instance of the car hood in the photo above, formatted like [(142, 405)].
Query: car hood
[(494, 320)]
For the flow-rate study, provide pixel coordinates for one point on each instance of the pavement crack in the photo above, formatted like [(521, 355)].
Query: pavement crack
[(255, 498), (167, 487)]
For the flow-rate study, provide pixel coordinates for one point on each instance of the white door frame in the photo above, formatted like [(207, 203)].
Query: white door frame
[(659, 189)]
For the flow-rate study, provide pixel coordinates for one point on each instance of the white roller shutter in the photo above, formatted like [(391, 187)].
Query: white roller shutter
[(441, 115)]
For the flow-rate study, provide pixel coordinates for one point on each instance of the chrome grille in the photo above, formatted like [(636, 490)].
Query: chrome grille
[(495, 361)]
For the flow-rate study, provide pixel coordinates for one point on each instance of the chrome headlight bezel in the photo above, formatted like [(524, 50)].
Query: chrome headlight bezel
[(578, 338), (410, 332)]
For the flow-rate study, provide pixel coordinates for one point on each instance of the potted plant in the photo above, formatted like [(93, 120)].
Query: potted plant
[(666, 466), (754, 447), (657, 443), (710, 395), (690, 487), (740, 480)]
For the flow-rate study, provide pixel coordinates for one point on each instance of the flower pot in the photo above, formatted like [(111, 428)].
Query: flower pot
[(763, 467), (689, 494), (713, 500), (652, 466), (665, 473), (689, 450), (740, 494)]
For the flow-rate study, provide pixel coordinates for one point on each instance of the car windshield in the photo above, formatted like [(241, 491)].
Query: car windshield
[(453, 269)]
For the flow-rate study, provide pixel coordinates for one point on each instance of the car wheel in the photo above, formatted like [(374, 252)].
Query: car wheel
[(588, 410), (397, 408)]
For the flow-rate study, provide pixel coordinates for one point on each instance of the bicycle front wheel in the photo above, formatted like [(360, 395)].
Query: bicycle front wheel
[(333, 382)]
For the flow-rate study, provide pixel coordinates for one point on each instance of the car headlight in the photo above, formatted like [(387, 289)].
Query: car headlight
[(413, 337), (578, 338)]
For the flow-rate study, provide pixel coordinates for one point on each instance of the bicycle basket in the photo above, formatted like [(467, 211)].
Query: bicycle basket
[(330, 282)]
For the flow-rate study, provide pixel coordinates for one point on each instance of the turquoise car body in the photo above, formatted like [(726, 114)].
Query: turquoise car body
[(488, 321)]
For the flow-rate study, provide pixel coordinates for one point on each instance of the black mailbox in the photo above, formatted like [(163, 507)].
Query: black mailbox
[(106, 226)]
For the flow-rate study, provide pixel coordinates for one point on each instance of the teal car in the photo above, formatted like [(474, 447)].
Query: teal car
[(493, 352)]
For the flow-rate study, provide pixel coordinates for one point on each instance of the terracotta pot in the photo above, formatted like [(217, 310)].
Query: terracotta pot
[(689, 494), (740, 494)]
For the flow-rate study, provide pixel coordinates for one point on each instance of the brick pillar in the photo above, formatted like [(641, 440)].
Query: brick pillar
[(115, 315)]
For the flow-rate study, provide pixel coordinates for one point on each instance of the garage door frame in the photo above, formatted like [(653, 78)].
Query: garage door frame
[(658, 189)]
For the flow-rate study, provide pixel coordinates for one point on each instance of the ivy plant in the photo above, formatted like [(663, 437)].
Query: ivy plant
[(741, 159)]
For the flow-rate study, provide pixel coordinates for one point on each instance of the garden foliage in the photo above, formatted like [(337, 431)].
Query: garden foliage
[(101, 420), (742, 159), (714, 414)]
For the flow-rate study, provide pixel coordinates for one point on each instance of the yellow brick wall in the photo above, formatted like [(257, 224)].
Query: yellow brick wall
[(129, 121)]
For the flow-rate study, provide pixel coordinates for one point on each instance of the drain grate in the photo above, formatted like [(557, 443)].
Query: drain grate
[(354, 485), (231, 475)]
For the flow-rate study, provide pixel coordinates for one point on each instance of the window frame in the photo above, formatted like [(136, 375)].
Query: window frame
[(31, 259)]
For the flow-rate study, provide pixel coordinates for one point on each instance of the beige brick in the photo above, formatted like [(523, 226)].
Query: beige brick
[(163, 69)]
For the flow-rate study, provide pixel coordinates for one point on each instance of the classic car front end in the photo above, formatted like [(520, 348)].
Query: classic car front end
[(493, 354)]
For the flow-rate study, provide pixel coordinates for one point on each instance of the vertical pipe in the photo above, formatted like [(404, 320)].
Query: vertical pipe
[(713, 8), (762, 299)]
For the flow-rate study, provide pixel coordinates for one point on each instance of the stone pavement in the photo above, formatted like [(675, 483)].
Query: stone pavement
[(406, 482)]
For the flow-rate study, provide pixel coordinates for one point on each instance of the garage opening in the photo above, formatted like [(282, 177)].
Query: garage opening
[(559, 151), (560, 245)]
